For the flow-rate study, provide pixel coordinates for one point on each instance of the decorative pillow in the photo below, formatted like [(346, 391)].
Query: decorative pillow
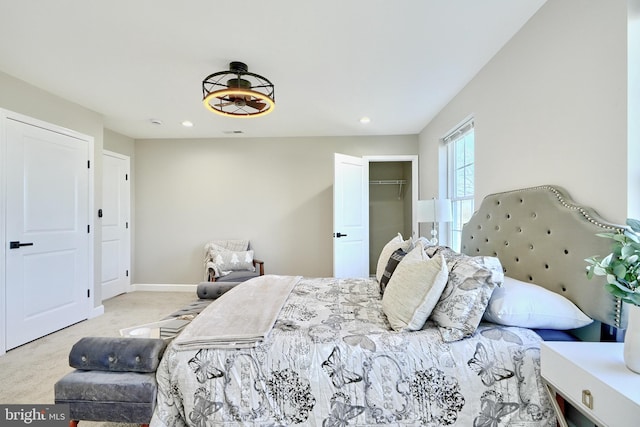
[(423, 241), (213, 250), (393, 262), (466, 295), (396, 243), (224, 261), (414, 289), (529, 305)]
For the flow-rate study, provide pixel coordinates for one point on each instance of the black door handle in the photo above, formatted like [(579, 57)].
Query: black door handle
[(16, 245), (340, 235)]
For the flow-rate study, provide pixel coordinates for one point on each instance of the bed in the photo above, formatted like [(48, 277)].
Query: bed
[(332, 357)]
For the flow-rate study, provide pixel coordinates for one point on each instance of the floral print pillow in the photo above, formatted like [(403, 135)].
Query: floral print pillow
[(466, 295)]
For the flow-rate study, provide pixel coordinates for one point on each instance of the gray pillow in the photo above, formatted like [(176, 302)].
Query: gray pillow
[(466, 295), (393, 262), (396, 243)]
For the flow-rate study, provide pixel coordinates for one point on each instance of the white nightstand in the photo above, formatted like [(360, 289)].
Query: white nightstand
[(593, 378)]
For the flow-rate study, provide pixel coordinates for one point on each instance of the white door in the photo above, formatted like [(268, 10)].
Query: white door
[(350, 217), (47, 231), (116, 248)]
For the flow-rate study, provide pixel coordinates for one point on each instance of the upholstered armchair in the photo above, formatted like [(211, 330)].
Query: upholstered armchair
[(230, 261)]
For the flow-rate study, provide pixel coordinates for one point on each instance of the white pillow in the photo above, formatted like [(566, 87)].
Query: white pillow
[(414, 289), (396, 243), (528, 305)]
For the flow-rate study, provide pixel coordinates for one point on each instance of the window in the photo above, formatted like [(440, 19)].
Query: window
[(460, 178)]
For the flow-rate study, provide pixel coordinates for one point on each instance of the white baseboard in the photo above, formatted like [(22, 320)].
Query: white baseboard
[(96, 311), (163, 287)]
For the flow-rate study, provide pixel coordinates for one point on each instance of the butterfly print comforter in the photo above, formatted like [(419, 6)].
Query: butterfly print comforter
[(332, 360)]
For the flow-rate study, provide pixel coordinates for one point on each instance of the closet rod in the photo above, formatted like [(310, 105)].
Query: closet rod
[(389, 181), (399, 182)]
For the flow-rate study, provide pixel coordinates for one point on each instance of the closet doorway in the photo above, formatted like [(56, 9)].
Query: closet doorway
[(393, 193)]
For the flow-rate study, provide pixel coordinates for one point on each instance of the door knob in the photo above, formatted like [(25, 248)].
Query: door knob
[(340, 235)]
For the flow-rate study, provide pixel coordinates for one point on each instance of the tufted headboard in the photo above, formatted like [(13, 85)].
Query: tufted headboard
[(542, 236)]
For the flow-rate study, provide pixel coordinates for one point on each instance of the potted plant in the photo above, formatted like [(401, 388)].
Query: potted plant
[(622, 270), (622, 265)]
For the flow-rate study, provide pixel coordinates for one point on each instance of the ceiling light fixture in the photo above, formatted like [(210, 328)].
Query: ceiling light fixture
[(187, 124), (364, 120), (238, 93)]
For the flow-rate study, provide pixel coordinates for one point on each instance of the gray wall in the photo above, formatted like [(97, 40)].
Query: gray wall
[(277, 192), (553, 106), (549, 108)]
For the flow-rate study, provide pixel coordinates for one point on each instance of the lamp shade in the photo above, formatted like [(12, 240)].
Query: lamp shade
[(434, 210)]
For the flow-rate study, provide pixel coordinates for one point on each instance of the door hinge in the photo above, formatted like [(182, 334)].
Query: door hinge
[(88, 164), (88, 293), (126, 177), (127, 273), (126, 224), (88, 228)]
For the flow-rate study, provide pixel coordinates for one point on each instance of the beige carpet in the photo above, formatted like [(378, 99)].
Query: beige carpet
[(29, 372)]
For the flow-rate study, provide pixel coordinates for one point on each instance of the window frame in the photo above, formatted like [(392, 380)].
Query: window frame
[(460, 194)]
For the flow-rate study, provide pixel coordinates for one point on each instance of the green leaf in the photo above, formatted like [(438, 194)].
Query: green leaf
[(632, 236), (615, 290), (632, 298), (618, 285), (627, 251), (599, 271), (620, 271), (634, 224), (607, 235), (619, 238)]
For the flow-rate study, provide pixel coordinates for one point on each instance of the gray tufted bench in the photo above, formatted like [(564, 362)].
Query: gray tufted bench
[(214, 290), (114, 380)]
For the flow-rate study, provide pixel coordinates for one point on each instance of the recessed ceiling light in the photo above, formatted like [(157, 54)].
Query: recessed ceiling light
[(187, 124), (364, 120)]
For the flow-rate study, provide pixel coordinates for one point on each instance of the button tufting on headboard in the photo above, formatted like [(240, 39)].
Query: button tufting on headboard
[(545, 224)]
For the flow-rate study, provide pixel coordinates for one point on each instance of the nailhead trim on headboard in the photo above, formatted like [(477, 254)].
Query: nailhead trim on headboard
[(540, 235)]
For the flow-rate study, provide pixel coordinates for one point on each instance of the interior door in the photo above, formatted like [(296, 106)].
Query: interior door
[(47, 254), (116, 248), (350, 217)]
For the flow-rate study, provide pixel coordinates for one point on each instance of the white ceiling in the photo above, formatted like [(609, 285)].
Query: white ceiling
[(331, 61)]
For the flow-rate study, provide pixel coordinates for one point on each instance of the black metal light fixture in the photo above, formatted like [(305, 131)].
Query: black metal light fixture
[(238, 93)]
